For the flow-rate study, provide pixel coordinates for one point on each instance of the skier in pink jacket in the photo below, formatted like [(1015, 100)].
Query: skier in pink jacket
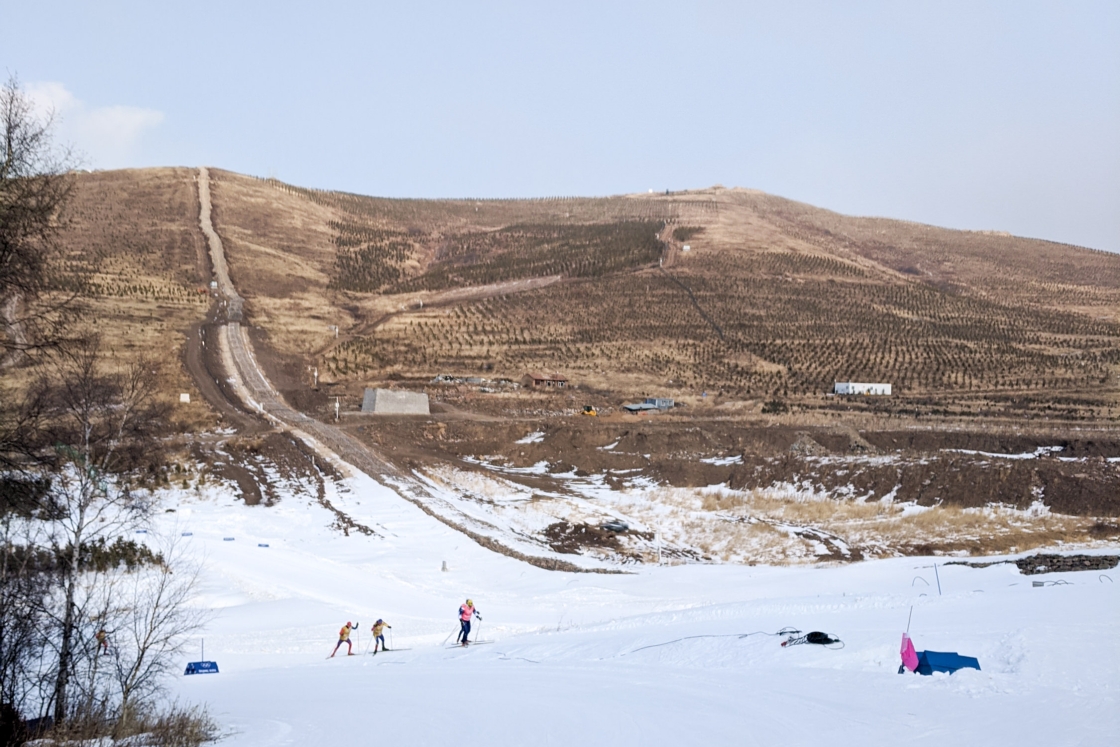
[(466, 612)]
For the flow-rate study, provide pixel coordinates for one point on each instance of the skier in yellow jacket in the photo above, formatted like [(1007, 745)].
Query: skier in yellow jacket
[(378, 631), (344, 637)]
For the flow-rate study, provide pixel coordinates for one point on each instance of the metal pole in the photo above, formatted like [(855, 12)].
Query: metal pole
[(938, 579)]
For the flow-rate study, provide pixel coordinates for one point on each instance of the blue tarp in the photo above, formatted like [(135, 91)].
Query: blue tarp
[(942, 661)]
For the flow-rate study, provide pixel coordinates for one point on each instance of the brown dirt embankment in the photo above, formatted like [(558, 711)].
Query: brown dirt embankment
[(1071, 473)]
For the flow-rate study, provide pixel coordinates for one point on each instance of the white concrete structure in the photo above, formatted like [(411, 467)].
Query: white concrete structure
[(851, 387), (395, 402)]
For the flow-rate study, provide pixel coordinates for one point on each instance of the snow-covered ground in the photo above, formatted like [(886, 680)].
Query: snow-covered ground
[(577, 659), (780, 524)]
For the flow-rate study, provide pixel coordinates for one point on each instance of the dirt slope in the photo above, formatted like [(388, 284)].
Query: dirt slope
[(995, 344)]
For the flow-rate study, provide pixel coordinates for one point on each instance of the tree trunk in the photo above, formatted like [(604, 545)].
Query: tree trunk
[(66, 650), (70, 582)]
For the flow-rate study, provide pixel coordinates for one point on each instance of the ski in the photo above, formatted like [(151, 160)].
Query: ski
[(472, 643), (388, 651)]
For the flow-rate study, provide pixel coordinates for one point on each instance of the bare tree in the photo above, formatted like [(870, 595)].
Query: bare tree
[(25, 588), (70, 447), (99, 417), (33, 190), (154, 627)]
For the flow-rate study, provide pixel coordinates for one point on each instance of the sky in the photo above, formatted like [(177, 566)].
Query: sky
[(973, 115)]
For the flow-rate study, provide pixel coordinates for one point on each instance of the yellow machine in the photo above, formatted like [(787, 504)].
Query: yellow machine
[(590, 411)]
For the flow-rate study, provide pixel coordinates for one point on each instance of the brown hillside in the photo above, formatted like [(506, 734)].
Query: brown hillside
[(131, 240), (1004, 354), (775, 299)]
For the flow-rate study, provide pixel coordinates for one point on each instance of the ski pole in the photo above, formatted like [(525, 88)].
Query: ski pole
[(391, 638), (478, 633)]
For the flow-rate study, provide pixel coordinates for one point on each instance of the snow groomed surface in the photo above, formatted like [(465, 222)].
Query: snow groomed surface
[(650, 658)]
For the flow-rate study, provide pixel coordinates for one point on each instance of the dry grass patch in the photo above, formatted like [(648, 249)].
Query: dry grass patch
[(761, 525), (781, 526), (148, 726), (795, 507)]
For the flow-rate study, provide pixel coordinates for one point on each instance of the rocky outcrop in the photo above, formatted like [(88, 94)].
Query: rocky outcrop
[(1035, 564)]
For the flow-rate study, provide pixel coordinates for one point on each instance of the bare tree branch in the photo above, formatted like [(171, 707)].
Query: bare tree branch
[(34, 189)]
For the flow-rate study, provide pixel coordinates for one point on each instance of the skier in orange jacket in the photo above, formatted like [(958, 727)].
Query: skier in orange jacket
[(344, 637)]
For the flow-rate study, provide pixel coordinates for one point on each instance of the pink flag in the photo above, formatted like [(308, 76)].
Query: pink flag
[(909, 656)]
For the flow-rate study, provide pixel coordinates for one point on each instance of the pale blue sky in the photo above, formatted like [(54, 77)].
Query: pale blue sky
[(983, 115)]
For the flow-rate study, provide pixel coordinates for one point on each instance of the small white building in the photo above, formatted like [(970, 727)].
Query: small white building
[(395, 402), (852, 387)]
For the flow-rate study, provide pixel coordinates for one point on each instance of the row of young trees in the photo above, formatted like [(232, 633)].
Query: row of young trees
[(90, 620)]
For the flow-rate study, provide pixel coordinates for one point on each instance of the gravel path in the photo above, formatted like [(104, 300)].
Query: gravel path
[(253, 388), (228, 293)]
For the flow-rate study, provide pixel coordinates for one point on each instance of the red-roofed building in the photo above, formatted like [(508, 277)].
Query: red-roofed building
[(536, 380)]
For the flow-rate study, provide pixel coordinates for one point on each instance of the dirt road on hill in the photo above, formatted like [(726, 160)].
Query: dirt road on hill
[(247, 382), (420, 301), (229, 295)]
